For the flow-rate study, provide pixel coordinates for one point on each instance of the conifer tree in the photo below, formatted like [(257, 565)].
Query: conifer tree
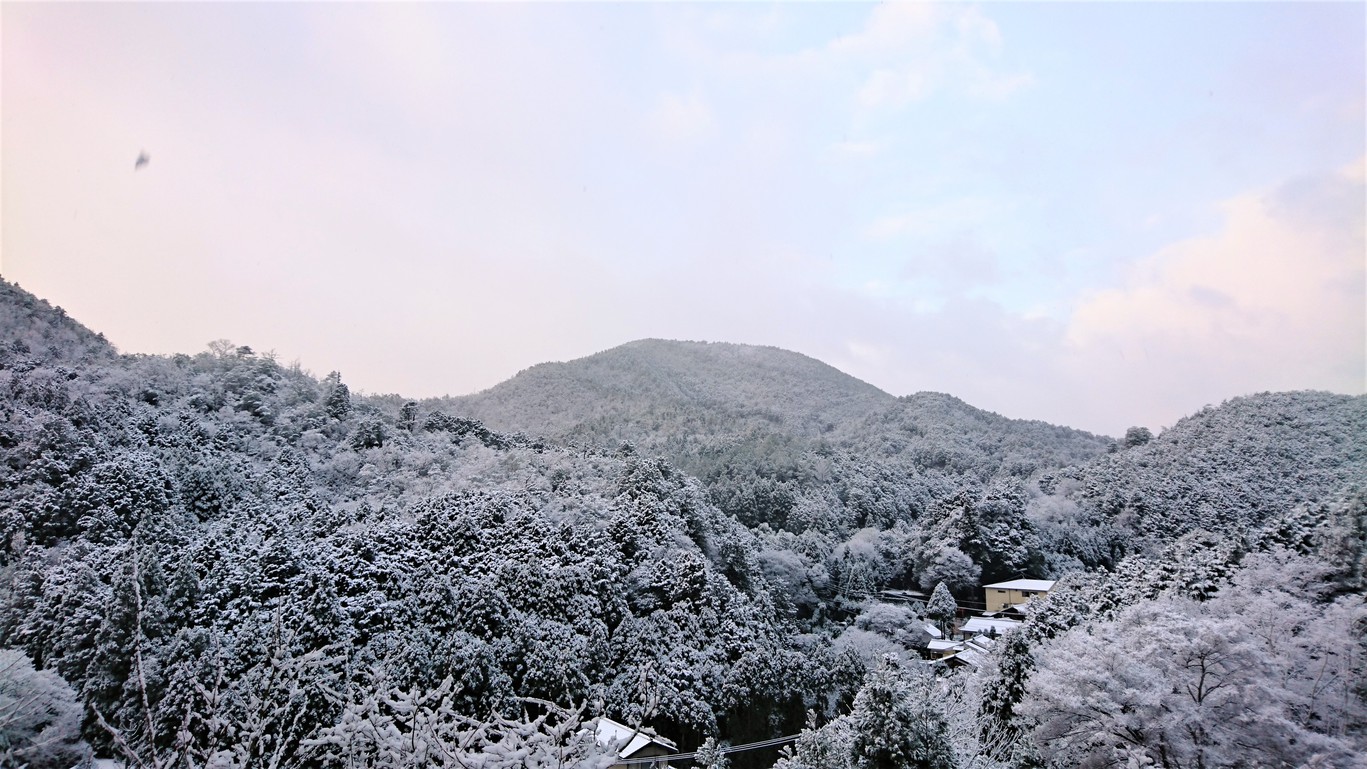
[(942, 607), (1003, 691), (897, 723), (338, 402), (408, 416)]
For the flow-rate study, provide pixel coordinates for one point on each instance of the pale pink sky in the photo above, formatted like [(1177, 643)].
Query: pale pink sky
[(1098, 215)]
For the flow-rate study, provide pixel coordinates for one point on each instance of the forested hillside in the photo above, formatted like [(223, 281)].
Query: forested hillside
[(775, 435), (221, 560), (640, 390)]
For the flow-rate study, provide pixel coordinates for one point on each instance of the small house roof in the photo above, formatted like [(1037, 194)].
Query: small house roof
[(985, 625), (1042, 585), (939, 646), (980, 642), (904, 595), (969, 657), (631, 739), (932, 631)]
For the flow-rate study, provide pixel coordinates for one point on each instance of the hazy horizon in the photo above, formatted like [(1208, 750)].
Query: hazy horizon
[(1093, 215)]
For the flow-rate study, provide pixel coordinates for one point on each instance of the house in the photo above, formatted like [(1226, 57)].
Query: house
[(1000, 595), (634, 743), (904, 596), (973, 653), (989, 626), (937, 649), (1010, 612)]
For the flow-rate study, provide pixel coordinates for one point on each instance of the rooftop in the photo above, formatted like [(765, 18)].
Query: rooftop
[(985, 625), (631, 739), (1042, 585)]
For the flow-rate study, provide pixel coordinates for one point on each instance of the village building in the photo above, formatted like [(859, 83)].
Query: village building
[(974, 653), (937, 649), (1010, 612), (915, 597), (635, 745), (1002, 595), (988, 626)]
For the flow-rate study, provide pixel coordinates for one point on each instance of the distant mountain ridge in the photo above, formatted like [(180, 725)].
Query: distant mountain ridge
[(775, 437), (700, 402), (640, 381)]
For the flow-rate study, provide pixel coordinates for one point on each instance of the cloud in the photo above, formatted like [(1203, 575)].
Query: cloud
[(955, 264), (857, 149), (367, 190), (949, 216), (897, 86), (1274, 300), (682, 118), (872, 356), (993, 86), (917, 49), (1356, 171), (902, 53), (890, 27)]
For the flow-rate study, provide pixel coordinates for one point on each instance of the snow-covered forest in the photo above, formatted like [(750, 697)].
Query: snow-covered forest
[(220, 559)]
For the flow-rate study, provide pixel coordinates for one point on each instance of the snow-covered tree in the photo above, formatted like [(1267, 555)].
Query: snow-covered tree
[(709, 755), (338, 401), (897, 722), (942, 562), (820, 747), (388, 727), (1137, 436), (942, 607), (1175, 684), (40, 718), (1003, 688)]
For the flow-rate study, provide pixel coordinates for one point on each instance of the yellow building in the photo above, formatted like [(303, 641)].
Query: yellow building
[(1001, 595)]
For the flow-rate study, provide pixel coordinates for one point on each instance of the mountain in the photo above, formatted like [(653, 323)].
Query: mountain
[(634, 391), (770, 432), (222, 541)]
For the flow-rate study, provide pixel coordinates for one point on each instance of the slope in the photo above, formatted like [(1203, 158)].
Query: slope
[(641, 389), (777, 438), (1235, 467), (36, 330)]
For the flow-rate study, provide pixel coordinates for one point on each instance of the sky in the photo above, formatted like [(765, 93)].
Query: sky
[(1097, 215)]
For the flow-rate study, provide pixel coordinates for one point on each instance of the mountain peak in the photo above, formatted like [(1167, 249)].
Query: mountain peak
[(648, 378)]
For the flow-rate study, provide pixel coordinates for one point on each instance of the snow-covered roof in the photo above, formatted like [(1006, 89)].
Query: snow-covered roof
[(985, 625), (1042, 585), (968, 657), (631, 740), (940, 646), (933, 631), (981, 643)]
